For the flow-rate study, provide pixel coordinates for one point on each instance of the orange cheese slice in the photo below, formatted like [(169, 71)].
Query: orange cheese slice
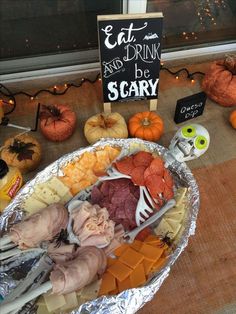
[(136, 245), (137, 277), (150, 252), (124, 285), (108, 284), (120, 250), (158, 264), (114, 292), (119, 270), (152, 240), (147, 264), (110, 261), (131, 258)]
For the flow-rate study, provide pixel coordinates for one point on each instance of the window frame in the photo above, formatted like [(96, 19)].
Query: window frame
[(60, 62)]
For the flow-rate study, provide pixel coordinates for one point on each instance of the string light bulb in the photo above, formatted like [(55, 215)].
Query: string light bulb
[(32, 98), (192, 81), (176, 77), (66, 85), (11, 102)]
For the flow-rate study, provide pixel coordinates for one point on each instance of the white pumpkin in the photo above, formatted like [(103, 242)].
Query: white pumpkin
[(105, 125)]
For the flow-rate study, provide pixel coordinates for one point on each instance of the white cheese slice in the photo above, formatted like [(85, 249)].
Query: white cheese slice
[(57, 186), (46, 195), (175, 225), (176, 215), (53, 301), (32, 205), (180, 194), (42, 309), (163, 228), (66, 198), (90, 292), (71, 302)]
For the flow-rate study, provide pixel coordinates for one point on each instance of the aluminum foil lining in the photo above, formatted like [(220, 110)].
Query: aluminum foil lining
[(131, 300)]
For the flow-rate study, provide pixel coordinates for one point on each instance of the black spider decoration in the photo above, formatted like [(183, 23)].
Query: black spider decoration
[(61, 238)]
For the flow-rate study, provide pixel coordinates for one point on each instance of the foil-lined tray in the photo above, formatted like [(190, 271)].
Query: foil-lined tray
[(131, 300)]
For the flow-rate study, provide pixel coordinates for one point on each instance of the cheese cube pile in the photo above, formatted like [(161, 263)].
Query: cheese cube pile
[(133, 265), (47, 193), (172, 222)]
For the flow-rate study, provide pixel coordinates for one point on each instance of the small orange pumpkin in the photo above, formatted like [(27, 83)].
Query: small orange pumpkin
[(57, 122), (232, 119), (146, 125)]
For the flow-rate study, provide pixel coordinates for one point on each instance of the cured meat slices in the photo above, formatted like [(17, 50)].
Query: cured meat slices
[(120, 197), (146, 170), (41, 226), (75, 274), (91, 224)]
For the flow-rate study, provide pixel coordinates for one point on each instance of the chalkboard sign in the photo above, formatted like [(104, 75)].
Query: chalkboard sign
[(130, 53), (190, 107)]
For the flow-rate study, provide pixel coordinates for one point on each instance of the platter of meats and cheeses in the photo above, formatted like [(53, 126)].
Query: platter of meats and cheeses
[(129, 265)]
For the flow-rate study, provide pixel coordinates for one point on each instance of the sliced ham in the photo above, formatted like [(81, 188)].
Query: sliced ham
[(79, 272), (91, 225), (61, 254), (41, 226)]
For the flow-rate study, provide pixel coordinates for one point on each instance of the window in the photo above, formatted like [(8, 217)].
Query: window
[(194, 23), (44, 34)]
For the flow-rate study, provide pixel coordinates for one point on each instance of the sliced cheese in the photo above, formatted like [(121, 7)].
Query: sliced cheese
[(32, 205), (147, 264), (119, 270), (163, 228), (178, 216), (66, 198), (57, 186), (150, 252), (53, 301), (47, 195), (137, 277), (108, 283), (71, 302), (175, 225), (42, 309), (124, 285), (90, 291), (180, 194), (131, 258)]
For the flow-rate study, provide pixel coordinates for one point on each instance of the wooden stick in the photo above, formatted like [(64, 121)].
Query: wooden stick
[(25, 298), (107, 107)]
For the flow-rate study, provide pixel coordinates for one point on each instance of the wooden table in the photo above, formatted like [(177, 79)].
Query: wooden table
[(203, 280)]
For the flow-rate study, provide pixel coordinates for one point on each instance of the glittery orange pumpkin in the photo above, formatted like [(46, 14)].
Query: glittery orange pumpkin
[(220, 82), (57, 122)]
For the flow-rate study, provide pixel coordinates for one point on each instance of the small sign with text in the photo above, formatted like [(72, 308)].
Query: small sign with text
[(130, 53), (190, 107)]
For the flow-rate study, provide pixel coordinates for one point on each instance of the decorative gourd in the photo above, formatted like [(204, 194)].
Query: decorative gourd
[(232, 119), (220, 82), (146, 125), (105, 125), (23, 152), (57, 122)]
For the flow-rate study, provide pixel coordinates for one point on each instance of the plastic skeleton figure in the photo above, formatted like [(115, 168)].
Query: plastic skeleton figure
[(189, 142)]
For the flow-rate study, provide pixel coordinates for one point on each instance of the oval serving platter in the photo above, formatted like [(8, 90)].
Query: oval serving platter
[(128, 301)]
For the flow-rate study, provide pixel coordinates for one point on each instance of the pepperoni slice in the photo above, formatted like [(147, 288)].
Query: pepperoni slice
[(147, 173), (157, 166), (137, 175), (142, 159), (155, 184), (125, 165), (168, 179)]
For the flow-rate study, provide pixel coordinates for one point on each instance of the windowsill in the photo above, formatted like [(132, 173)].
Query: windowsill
[(61, 75)]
